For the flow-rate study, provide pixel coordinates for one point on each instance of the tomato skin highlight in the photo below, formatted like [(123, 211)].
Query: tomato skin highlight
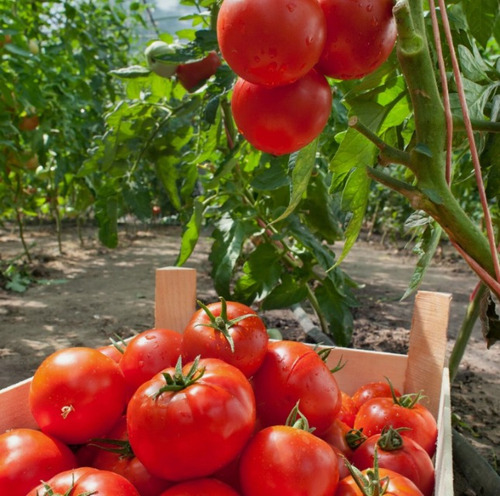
[(271, 42), (77, 394), (249, 336), (200, 487), (378, 413), (360, 37), (193, 432), (285, 460), (293, 372), (410, 460), (28, 456), (282, 119), (398, 485)]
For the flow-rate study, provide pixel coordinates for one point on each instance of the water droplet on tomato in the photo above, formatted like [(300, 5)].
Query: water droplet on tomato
[(291, 6)]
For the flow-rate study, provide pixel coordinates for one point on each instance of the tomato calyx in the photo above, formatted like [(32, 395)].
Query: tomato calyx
[(221, 323), (390, 438), (369, 483), (355, 438), (119, 446), (179, 381), (50, 492), (324, 353), (408, 400), (298, 420)]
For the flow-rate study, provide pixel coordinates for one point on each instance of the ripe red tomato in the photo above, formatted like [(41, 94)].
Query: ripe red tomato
[(147, 354), (397, 485), (360, 36), (378, 413), (242, 343), (189, 422), (348, 409), (112, 351), (200, 487), (193, 74), (283, 119), (293, 372), (29, 123), (271, 42), (337, 437), (282, 459), (402, 455), (28, 456), (114, 454), (86, 481), (77, 394), (371, 390)]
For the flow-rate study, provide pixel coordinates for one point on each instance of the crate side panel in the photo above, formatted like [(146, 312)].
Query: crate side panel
[(362, 366), (14, 407), (427, 347), (175, 297)]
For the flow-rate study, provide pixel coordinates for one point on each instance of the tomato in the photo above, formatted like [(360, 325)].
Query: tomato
[(282, 119), (86, 481), (402, 455), (29, 123), (156, 210), (292, 372), (200, 487), (112, 351), (394, 484), (148, 353), (378, 413), (360, 36), (187, 422), (271, 42), (28, 456), (230, 331), (115, 455), (337, 436), (282, 459), (77, 394), (193, 74), (153, 54), (348, 409), (371, 390)]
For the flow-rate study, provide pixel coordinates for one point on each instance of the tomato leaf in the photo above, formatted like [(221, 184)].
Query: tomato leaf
[(191, 234)]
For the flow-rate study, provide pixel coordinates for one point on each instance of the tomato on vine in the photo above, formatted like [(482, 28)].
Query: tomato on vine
[(271, 42), (283, 119), (360, 36)]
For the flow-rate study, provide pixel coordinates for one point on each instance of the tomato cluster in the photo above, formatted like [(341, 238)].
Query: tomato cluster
[(281, 51), (217, 410)]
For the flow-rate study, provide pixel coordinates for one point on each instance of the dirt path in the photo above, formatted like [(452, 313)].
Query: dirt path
[(88, 294)]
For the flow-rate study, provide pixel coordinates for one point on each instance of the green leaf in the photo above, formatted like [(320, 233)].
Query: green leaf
[(301, 164), (426, 248), (285, 294), (132, 72), (106, 211), (167, 170), (481, 17), (473, 65), (190, 234)]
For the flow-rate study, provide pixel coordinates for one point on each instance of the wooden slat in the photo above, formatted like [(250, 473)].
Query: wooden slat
[(175, 297), (427, 348), (14, 407)]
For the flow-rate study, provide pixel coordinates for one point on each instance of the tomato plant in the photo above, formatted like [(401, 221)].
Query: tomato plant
[(401, 455), (28, 456), (403, 412), (230, 331), (299, 374), (77, 394), (86, 481), (147, 354), (263, 473), (203, 486), (271, 42), (190, 421), (284, 119), (360, 36)]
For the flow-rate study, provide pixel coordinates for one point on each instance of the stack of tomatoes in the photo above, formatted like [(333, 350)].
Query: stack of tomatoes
[(219, 410), (283, 49)]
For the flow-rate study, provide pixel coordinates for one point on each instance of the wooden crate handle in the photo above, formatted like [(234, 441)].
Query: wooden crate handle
[(427, 348), (175, 297)]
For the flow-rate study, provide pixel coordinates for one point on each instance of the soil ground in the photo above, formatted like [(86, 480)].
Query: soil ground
[(89, 293)]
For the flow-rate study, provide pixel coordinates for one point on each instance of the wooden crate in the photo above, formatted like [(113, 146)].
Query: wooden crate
[(422, 369)]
